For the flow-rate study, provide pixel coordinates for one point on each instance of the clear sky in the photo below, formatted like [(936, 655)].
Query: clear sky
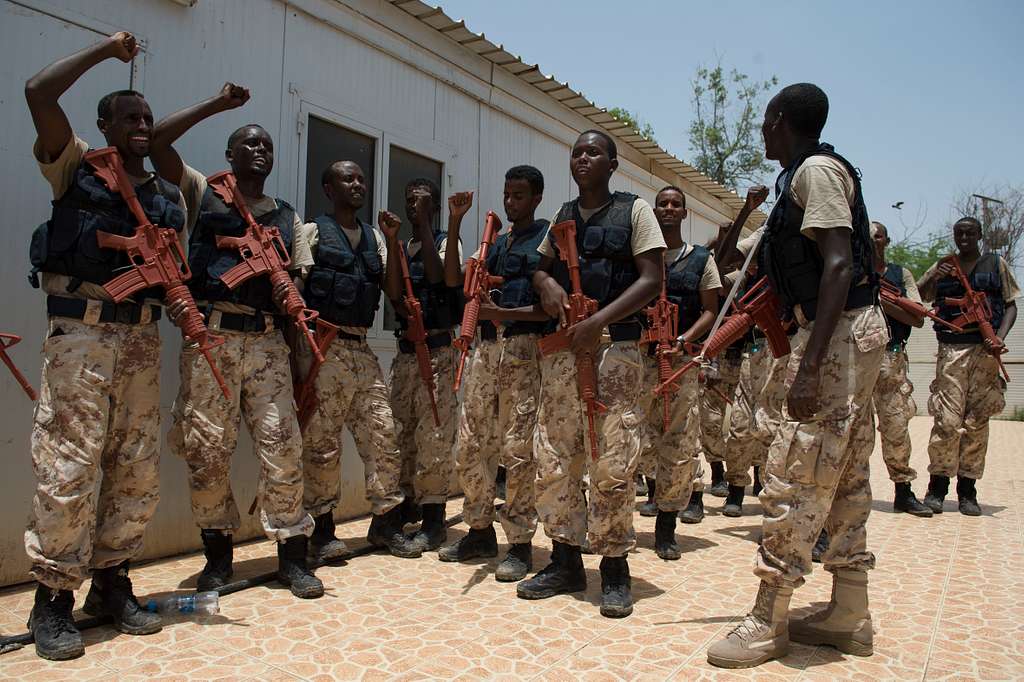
[(927, 98)]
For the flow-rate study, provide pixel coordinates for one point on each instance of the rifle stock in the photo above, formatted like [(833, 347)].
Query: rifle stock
[(305, 392), (156, 256)]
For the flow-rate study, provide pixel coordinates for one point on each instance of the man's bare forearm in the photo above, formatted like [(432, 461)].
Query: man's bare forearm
[(165, 159)]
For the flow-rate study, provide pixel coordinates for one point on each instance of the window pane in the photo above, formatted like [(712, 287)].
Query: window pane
[(403, 167), (328, 143)]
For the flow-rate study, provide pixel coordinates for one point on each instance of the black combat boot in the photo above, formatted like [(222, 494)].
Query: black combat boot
[(386, 531), (968, 496), (500, 483), (52, 626), (432, 532), (649, 508), (820, 546), (905, 501), (694, 512), (616, 598), (665, 536), (477, 543), (938, 488), (719, 487), (292, 571), (111, 595), (734, 502), (411, 512), (758, 487), (516, 564), (323, 545), (218, 550), (564, 574), (641, 486)]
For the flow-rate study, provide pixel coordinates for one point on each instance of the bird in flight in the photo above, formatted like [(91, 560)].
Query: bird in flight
[(898, 205)]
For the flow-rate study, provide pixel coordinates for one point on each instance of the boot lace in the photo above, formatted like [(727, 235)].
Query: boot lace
[(749, 628)]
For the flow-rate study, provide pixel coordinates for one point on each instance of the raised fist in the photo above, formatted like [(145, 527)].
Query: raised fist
[(233, 96), (123, 46)]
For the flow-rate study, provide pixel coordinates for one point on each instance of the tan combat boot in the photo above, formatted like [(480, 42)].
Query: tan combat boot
[(845, 623), (761, 636)]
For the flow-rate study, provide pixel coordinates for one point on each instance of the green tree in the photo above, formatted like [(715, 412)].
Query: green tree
[(626, 116), (919, 256), (725, 135)]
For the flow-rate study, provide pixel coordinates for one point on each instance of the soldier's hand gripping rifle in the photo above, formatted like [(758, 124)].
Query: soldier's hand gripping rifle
[(478, 283), (759, 307), (975, 309), (662, 330), (156, 256), (305, 391), (580, 308), (416, 333), (6, 341), (890, 293), (263, 252)]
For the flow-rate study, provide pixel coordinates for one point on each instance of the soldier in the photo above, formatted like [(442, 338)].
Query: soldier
[(425, 447), (499, 408), (621, 265), (817, 254), (98, 416), (253, 359), (967, 390), (344, 287), (670, 455), (893, 399)]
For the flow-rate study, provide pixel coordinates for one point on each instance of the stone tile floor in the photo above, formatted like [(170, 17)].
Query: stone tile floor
[(947, 600)]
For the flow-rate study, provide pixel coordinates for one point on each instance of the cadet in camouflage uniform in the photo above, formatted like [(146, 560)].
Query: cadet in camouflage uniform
[(499, 408), (425, 447), (817, 253), (968, 389), (621, 267), (344, 287), (717, 387), (253, 358), (98, 415), (670, 455)]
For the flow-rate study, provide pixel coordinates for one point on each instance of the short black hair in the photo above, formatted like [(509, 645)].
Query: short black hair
[(969, 219), (672, 188), (105, 108), (613, 151), (330, 171), (239, 132), (430, 185), (804, 107), (532, 176)]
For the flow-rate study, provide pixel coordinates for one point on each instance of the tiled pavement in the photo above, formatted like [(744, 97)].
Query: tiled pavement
[(947, 600)]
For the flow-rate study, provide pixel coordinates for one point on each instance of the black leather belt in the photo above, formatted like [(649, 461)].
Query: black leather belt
[(238, 322), (860, 296), (434, 341), (121, 313), (625, 331), (488, 332), (733, 353), (345, 336)]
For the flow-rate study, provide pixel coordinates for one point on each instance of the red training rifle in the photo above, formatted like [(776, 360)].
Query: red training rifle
[(975, 309), (662, 329), (890, 293), (416, 333), (478, 283)]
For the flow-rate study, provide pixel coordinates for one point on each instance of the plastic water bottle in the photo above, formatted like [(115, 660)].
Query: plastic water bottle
[(198, 603)]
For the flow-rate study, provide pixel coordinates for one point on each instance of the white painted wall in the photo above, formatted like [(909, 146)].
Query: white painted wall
[(361, 63)]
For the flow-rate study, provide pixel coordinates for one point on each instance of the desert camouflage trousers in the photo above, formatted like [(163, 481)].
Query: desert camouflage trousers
[(562, 449), (746, 447), (350, 393), (669, 455), (717, 388), (426, 448), (97, 421), (894, 406), (496, 424), (966, 393), (818, 470), (205, 431)]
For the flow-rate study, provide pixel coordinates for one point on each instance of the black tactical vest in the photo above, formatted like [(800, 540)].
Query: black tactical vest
[(344, 284), (986, 278), (682, 284), (208, 262), (604, 244), (442, 305), (793, 262), (514, 257), (66, 244), (899, 332)]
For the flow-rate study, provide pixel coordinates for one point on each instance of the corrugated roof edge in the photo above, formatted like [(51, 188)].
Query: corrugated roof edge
[(477, 43)]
